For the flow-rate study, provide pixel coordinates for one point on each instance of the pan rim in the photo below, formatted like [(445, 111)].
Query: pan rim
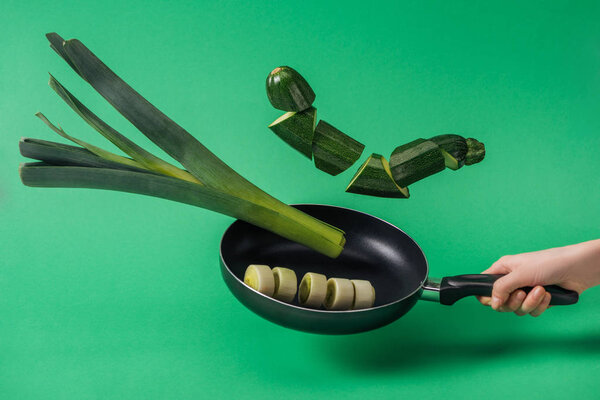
[(330, 311)]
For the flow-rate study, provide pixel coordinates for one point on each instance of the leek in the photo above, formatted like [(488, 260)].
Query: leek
[(205, 182)]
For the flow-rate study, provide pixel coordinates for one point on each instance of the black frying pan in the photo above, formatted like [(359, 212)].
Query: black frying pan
[(375, 250)]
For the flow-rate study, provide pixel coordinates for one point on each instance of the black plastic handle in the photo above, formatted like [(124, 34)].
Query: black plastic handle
[(453, 288)]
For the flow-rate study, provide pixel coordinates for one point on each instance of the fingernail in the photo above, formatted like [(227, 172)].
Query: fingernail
[(521, 296), (496, 302), (538, 291)]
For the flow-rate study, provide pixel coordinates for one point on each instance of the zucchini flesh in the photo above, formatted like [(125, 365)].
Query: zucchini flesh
[(374, 178), (416, 160), (287, 90), (333, 150), (475, 153), (454, 145), (450, 161), (297, 129)]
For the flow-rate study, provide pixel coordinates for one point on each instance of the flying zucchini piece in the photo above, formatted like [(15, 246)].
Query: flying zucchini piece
[(334, 151), (455, 146), (297, 129), (287, 90), (416, 160), (260, 278), (475, 152), (374, 178), (340, 294), (286, 284), (364, 294), (313, 289)]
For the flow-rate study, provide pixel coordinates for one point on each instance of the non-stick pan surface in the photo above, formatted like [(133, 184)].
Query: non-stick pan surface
[(375, 250)]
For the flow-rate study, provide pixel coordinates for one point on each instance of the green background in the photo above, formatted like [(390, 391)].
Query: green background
[(111, 295)]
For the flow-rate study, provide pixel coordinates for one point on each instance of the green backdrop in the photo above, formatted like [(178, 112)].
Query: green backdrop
[(111, 295)]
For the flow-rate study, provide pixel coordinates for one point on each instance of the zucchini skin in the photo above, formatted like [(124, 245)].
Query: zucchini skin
[(333, 150), (455, 145), (298, 130), (287, 90), (416, 160), (372, 179)]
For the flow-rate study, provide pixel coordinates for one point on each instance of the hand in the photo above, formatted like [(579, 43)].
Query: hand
[(575, 267)]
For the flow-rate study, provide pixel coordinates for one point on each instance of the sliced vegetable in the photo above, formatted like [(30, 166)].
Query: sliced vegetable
[(286, 284), (333, 150), (340, 294), (260, 278), (416, 160), (374, 178), (475, 153), (455, 146), (297, 129), (364, 294), (450, 161), (287, 90), (312, 290)]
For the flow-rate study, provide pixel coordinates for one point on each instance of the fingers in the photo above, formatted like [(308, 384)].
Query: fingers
[(515, 300), (486, 301), (504, 286), (532, 301), (543, 306)]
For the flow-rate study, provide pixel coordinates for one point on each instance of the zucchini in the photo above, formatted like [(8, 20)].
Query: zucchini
[(455, 146), (287, 90), (333, 150), (297, 129), (416, 160), (475, 153), (374, 178), (450, 161)]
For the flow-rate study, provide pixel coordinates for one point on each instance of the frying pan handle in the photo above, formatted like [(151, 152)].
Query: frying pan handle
[(453, 288)]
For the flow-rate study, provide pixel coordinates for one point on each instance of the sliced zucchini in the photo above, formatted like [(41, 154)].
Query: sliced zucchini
[(334, 151), (260, 278), (297, 129), (313, 289), (340, 294), (475, 153), (287, 90), (455, 146), (416, 160), (286, 284), (450, 161), (364, 294), (374, 178)]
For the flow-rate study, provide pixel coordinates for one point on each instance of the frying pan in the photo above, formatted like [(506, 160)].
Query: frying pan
[(375, 250)]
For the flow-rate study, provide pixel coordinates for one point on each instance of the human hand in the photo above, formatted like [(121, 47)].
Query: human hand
[(575, 267)]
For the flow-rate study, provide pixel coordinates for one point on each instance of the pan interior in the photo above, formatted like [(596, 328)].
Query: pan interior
[(374, 250)]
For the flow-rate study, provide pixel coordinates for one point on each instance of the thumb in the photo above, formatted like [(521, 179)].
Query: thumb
[(505, 285)]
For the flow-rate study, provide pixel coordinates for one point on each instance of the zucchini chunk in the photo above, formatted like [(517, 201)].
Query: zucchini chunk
[(455, 146), (334, 151), (260, 278), (313, 289), (450, 161), (374, 178), (287, 90), (286, 284), (475, 153), (416, 160), (340, 294), (364, 294), (297, 129)]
